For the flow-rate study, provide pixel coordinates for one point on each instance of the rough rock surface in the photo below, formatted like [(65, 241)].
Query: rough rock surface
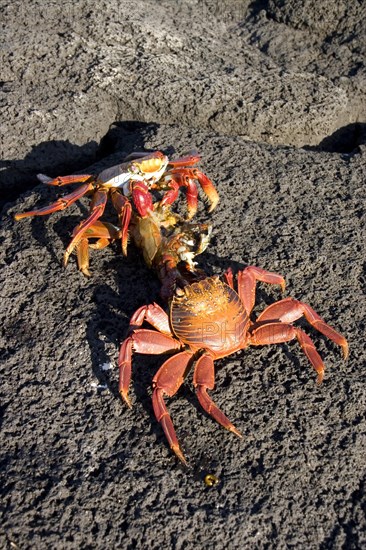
[(272, 94), (268, 71)]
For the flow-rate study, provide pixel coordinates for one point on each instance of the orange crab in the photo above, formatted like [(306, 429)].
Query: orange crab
[(209, 320), (136, 177)]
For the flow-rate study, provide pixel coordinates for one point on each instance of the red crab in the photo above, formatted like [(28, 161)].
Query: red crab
[(209, 320), (133, 178)]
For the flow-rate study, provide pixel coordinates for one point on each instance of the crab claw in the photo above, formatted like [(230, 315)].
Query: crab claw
[(124, 209), (186, 177), (141, 198), (104, 233), (208, 188), (96, 210)]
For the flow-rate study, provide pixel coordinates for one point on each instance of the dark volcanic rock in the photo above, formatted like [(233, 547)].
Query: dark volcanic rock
[(80, 469), (282, 74)]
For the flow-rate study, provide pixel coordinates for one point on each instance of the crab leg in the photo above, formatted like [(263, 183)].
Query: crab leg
[(167, 381), (247, 279), (64, 180), (176, 181), (289, 310), (229, 277), (105, 233), (207, 186), (60, 204), (203, 380), (171, 196), (124, 210), (277, 333), (141, 341), (97, 208), (187, 160), (192, 198)]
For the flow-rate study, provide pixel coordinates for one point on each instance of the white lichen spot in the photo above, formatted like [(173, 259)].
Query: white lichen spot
[(107, 366), (96, 386)]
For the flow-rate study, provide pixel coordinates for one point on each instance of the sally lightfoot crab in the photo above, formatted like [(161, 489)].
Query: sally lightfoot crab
[(133, 179), (208, 320)]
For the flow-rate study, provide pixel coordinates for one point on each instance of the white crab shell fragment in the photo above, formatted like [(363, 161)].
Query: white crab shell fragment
[(43, 178)]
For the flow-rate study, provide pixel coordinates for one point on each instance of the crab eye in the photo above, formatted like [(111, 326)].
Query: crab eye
[(134, 169)]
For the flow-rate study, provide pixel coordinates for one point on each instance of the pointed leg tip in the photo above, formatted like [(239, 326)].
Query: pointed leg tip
[(320, 378), (213, 206), (126, 399), (235, 431), (23, 215), (345, 349), (190, 214), (178, 453)]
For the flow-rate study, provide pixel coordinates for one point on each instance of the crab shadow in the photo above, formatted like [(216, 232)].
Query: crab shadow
[(61, 157), (53, 157)]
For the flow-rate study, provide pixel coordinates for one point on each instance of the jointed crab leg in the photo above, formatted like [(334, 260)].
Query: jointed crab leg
[(65, 180), (153, 314), (60, 204), (277, 333), (157, 318), (206, 184), (289, 310), (168, 380), (97, 208), (187, 160), (247, 279), (273, 327), (124, 210), (104, 232), (203, 380), (146, 342), (174, 183)]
